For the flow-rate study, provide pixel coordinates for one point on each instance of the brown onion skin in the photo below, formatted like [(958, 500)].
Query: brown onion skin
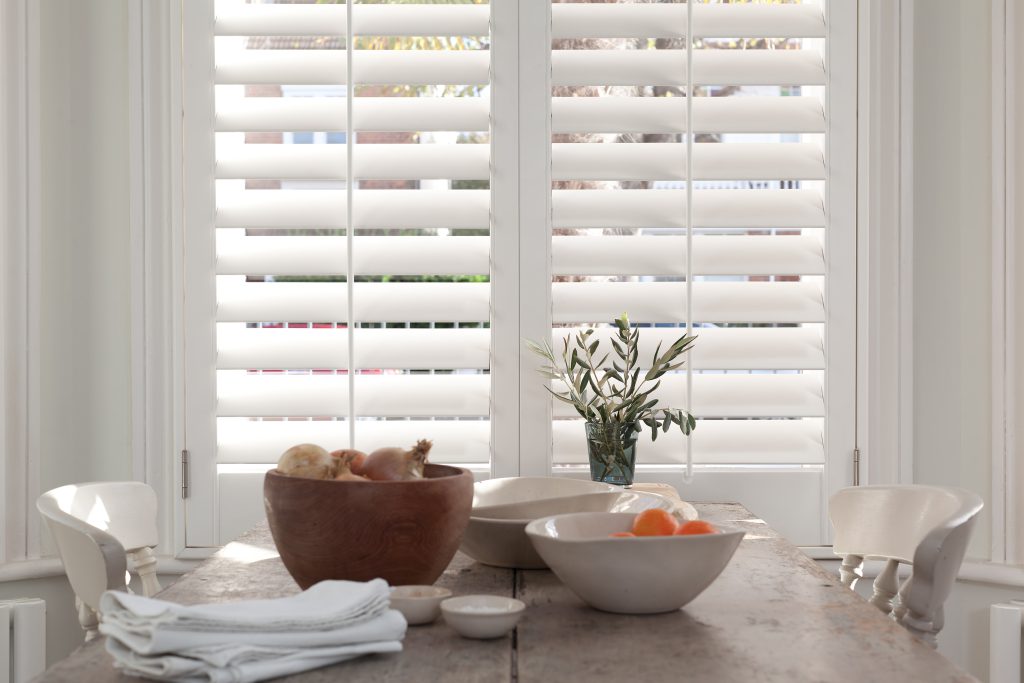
[(307, 460), (355, 458), (397, 464)]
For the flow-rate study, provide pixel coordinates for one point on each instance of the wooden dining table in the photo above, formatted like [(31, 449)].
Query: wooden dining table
[(772, 615)]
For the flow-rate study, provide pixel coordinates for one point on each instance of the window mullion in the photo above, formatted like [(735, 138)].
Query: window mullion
[(534, 230)]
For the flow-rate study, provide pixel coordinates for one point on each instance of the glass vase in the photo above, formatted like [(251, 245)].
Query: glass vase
[(612, 450)]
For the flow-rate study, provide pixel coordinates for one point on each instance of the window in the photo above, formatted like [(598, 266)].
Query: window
[(340, 262)]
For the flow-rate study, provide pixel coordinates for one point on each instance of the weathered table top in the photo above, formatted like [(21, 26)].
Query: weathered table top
[(773, 615)]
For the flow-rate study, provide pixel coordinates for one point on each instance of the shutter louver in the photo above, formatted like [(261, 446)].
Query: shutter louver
[(759, 170), (406, 160)]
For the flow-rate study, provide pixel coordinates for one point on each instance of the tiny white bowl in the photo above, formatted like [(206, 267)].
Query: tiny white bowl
[(639, 575), (419, 604), (482, 616)]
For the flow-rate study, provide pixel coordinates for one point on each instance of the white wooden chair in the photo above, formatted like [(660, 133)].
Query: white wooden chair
[(926, 527), (97, 527)]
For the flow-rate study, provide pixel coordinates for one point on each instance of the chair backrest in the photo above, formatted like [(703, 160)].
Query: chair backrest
[(927, 527), (889, 522), (94, 524)]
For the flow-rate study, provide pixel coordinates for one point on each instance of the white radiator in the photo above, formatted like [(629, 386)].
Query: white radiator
[(22, 639), (1004, 635)]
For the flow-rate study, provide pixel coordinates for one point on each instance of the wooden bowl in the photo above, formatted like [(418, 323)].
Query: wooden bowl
[(405, 532)]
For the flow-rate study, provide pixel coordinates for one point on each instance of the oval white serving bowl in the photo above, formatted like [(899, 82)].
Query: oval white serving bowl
[(419, 604), (482, 616), (642, 575), (502, 542), (513, 490)]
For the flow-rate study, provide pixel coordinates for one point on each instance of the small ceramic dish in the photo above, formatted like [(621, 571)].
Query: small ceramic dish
[(419, 604), (482, 616)]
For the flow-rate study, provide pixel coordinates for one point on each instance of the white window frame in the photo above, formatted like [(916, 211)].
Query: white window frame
[(522, 308), (20, 243)]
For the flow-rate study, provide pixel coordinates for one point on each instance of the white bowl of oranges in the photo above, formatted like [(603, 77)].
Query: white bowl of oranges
[(643, 563)]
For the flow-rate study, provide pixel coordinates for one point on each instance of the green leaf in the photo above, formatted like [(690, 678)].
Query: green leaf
[(564, 398), (593, 347)]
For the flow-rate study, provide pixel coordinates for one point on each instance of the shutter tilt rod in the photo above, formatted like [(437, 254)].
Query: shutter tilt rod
[(185, 474)]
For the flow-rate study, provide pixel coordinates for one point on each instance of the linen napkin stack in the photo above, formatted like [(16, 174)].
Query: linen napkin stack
[(241, 642)]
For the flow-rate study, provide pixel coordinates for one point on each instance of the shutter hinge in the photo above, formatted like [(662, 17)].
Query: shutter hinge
[(184, 474), (856, 467)]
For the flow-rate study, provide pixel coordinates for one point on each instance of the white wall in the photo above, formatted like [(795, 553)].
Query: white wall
[(84, 314), (952, 284), (952, 250)]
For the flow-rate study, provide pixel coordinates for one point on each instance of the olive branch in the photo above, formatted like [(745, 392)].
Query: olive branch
[(620, 394)]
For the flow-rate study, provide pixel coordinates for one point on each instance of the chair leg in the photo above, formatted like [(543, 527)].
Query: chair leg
[(850, 570), (886, 586), (145, 565), (899, 607), (88, 618)]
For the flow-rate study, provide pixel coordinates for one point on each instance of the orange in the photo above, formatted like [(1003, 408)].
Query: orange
[(654, 523), (622, 534), (696, 526)]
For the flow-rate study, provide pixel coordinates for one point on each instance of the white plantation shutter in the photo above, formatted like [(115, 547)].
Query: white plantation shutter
[(360, 258), (349, 232), (766, 253)]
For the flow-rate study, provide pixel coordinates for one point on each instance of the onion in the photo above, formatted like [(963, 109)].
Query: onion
[(346, 461), (396, 464), (352, 458), (307, 460)]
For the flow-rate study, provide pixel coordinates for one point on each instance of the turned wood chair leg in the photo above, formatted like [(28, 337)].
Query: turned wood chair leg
[(850, 570), (89, 620), (899, 607), (145, 566), (886, 586)]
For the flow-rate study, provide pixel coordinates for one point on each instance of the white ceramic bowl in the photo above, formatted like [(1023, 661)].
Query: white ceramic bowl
[(482, 616), (419, 604), (642, 575), (502, 542), (514, 490)]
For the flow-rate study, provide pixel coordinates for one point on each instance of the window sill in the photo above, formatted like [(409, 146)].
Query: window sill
[(48, 567)]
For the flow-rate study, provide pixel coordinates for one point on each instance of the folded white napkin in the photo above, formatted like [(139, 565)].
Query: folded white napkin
[(250, 640), (327, 605), (238, 663)]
